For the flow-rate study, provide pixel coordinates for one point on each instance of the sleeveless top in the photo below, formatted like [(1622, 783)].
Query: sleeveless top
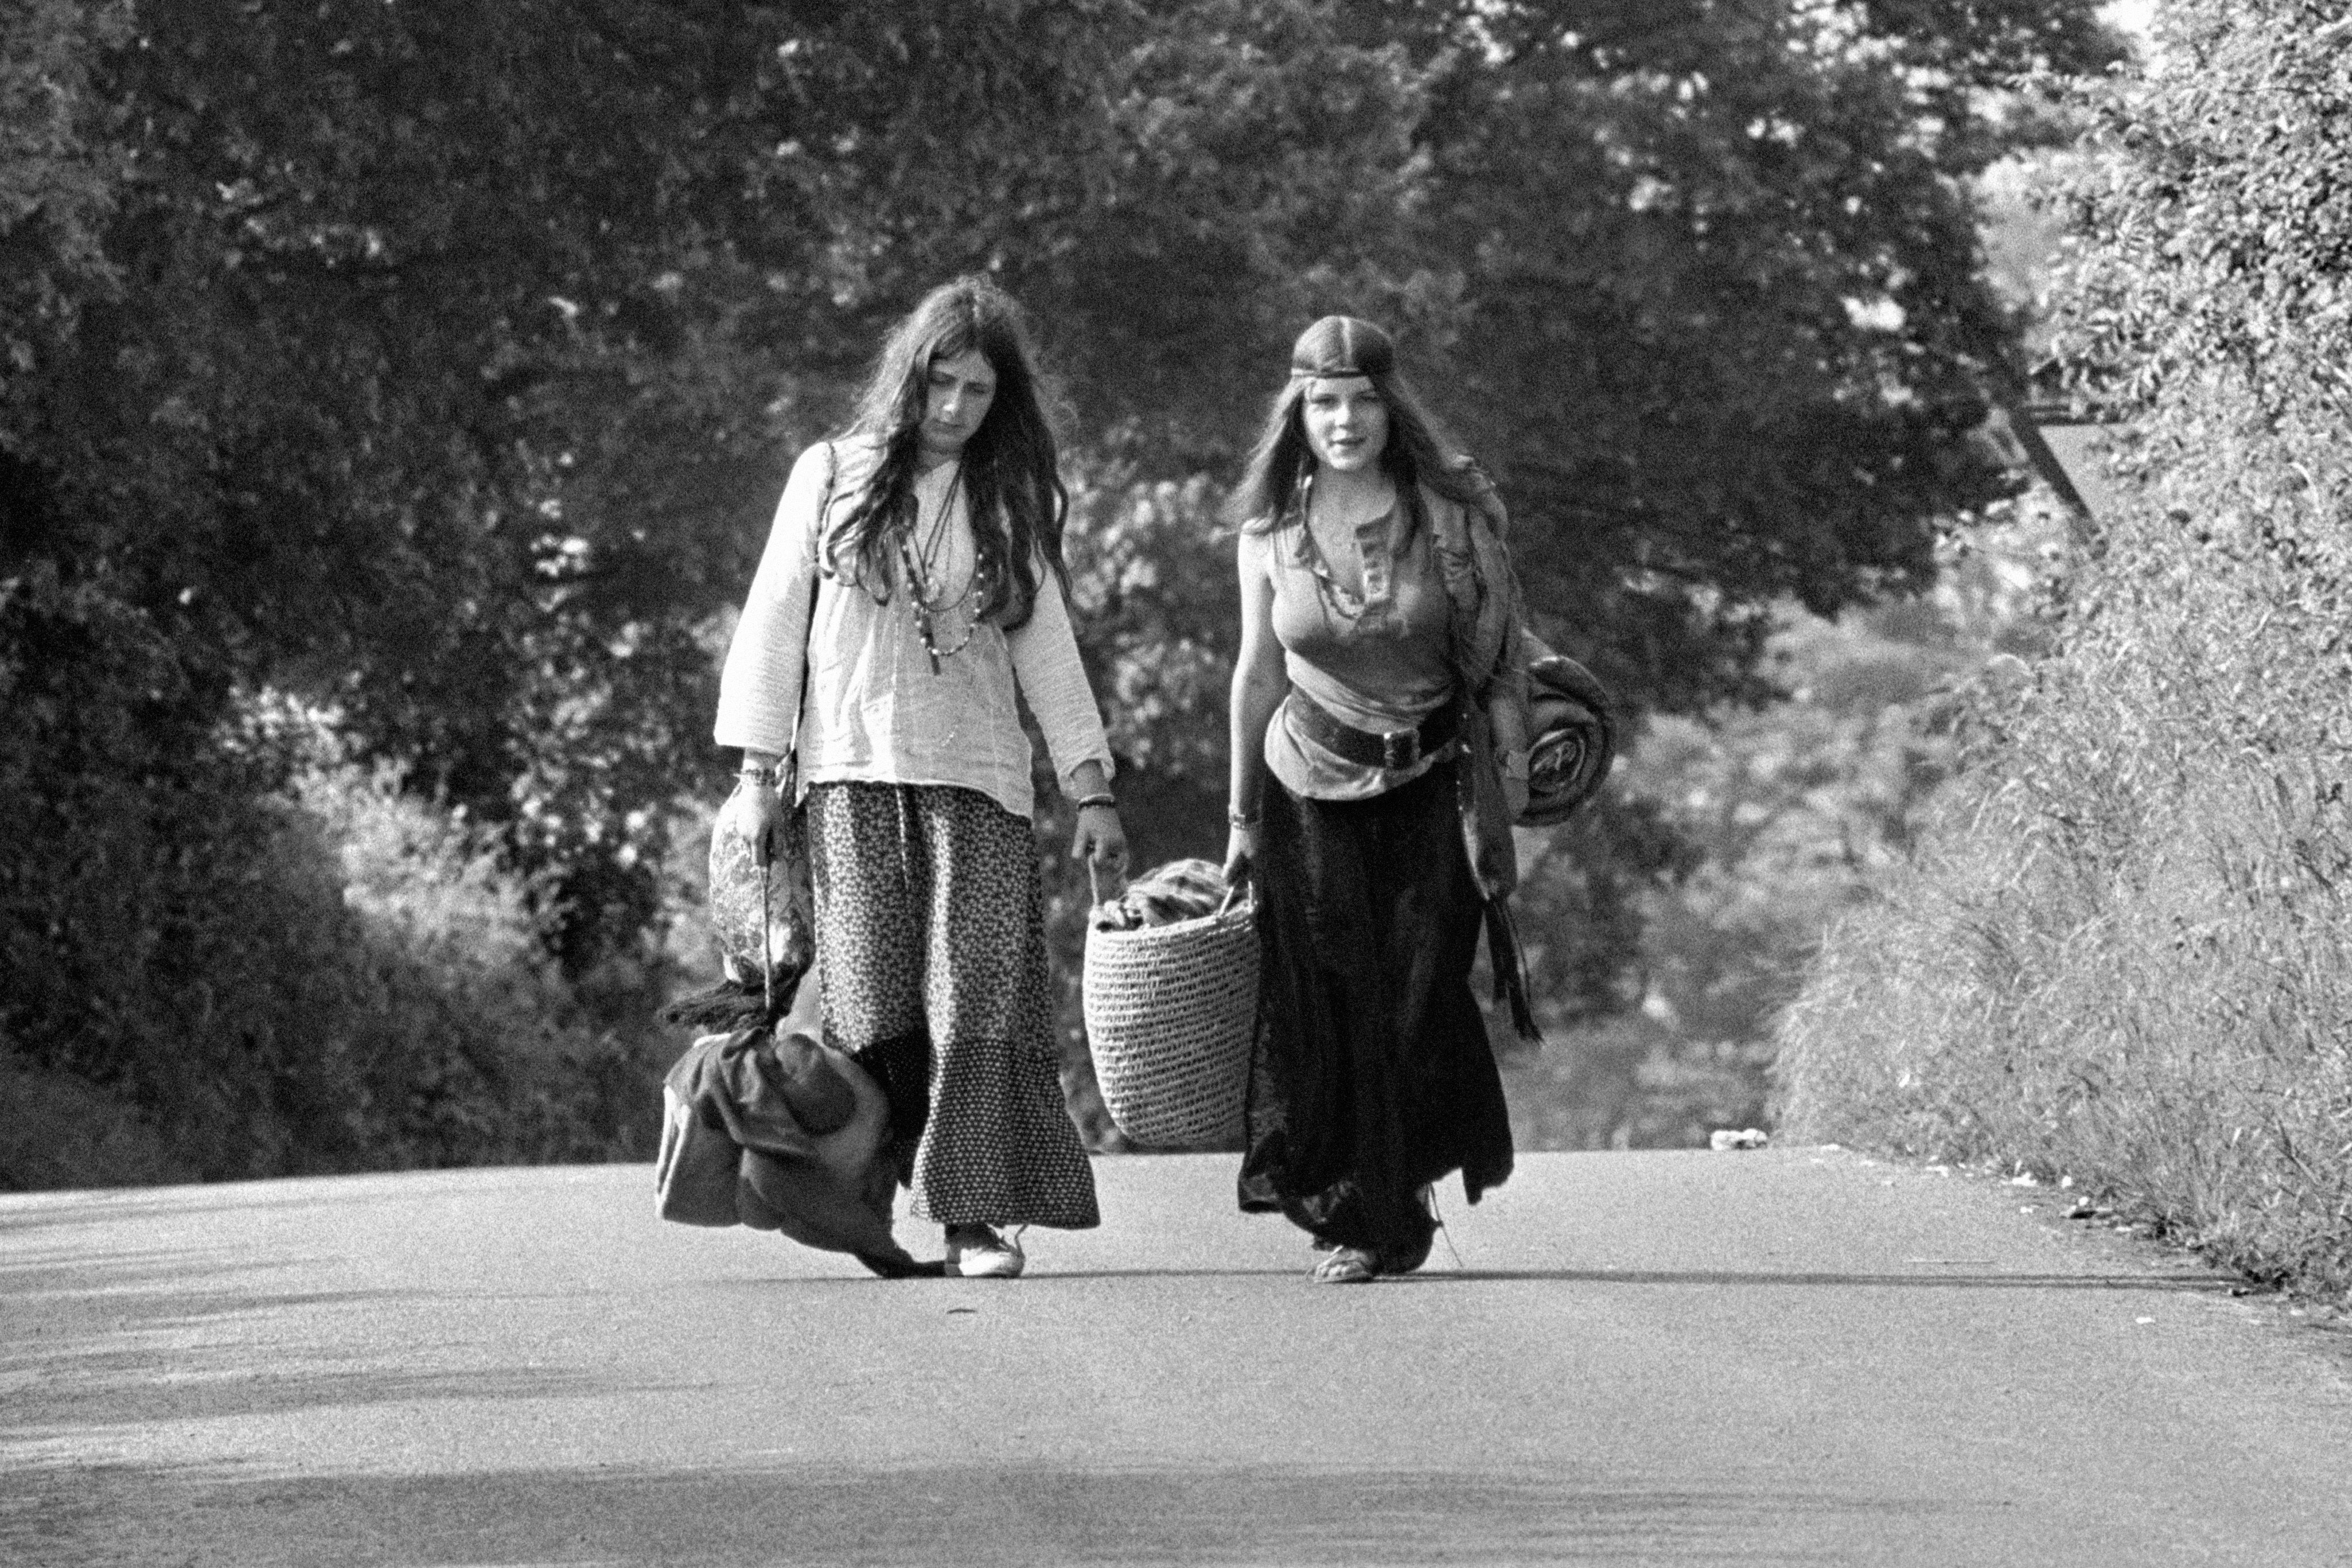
[(1377, 660)]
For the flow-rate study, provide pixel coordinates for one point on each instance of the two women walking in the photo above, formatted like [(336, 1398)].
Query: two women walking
[(913, 591)]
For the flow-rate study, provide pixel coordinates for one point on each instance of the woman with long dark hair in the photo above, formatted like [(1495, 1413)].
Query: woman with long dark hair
[(912, 586), (1379, 731)]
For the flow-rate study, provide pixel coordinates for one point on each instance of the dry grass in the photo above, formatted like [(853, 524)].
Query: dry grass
[(2123, 950)]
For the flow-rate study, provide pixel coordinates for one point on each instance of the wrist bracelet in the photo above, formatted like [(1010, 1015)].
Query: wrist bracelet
[(1102, 800), (764, 776), (1241, 819)]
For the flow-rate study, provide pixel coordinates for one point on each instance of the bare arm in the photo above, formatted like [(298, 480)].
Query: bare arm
[(1052, 676), (1259, 685), (1099, 840)]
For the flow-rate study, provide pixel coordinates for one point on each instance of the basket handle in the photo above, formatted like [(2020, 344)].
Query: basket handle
[(1242, 891)]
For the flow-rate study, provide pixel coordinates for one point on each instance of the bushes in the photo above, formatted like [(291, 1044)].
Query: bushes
[(1787, 814), (2124, 950), (204, 985)]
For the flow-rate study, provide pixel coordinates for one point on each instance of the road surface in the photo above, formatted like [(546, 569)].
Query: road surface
[(1794, 1356)]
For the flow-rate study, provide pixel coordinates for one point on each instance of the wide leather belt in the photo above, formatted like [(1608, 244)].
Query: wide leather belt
[(1395, 748)]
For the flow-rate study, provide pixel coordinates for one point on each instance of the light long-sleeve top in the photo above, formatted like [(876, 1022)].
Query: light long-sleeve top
[(873, 710)]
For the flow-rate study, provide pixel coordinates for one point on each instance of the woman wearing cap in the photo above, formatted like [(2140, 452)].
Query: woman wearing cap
[(1379, 736), (912, 583)]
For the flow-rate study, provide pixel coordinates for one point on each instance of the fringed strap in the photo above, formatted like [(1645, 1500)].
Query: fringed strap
[(720, 1008), (1504, 956)]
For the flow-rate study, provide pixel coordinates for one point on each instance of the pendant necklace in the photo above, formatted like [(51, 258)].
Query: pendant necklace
[(920, 563)]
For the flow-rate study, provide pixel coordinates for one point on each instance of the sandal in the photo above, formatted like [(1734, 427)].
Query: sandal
[(977, 1252), (1346, 1266)]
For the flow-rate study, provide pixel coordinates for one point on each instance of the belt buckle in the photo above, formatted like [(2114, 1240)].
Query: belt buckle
[(1400, 749)]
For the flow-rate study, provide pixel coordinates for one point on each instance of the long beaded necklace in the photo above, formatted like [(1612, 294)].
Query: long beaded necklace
[(921, 562)]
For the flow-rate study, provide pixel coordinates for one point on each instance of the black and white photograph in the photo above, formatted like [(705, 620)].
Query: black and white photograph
[(1286, 783)]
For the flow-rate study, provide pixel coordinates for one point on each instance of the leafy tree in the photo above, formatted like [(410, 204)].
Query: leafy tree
[(2211, 229), (1702, 283), (438, 361)]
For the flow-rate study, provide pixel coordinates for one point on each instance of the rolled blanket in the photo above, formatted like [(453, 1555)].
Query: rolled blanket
[(1573, 737)]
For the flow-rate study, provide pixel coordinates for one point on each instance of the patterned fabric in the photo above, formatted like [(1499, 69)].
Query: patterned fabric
[(1371, 1076), (931, 965), (873, 708), (1180, 890)]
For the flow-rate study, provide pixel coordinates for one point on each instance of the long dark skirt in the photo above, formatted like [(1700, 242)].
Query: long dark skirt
[(1371, 1076), (931, 967)]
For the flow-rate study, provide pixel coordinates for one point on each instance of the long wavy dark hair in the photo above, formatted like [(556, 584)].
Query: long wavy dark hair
[(1012, 471), (1420, 451)]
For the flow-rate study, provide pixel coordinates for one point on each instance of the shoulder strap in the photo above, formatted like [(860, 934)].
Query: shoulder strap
[(1457, 566)]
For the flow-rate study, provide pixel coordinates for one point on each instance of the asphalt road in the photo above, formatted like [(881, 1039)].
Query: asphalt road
[(1786, 1357)]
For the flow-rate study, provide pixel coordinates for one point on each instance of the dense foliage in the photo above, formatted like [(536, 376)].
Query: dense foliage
[(2122, 953), (1787, 817), (436, 364)]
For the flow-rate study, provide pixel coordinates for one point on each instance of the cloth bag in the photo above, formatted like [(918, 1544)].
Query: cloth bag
[(780, 1132), (1561, 709), (765, 923)]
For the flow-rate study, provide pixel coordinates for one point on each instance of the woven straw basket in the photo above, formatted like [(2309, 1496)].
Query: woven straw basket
[(1169, 1012)]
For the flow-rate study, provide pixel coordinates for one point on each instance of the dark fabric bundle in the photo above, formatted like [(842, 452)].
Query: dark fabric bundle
[(781, 1133), (1573, 737)]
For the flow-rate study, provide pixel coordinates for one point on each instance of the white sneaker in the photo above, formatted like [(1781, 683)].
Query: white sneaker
[(977, 1252)]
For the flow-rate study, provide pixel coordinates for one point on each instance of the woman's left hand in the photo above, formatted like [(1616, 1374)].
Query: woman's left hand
[(1101, 842)]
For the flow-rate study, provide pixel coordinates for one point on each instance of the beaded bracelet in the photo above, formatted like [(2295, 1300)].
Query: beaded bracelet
[(1239, 818), (765, 778), (1102, 800)]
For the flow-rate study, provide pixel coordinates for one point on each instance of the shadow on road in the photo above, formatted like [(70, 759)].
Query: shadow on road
[(1893, 1282), (116, 1205), (1658, 1277), (974, 1515)]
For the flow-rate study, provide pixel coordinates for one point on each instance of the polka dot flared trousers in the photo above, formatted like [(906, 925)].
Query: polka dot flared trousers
[(931, 967)]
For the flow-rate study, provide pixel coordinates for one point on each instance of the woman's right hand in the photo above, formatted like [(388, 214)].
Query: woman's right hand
[(1241, 863), (757, 813)]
